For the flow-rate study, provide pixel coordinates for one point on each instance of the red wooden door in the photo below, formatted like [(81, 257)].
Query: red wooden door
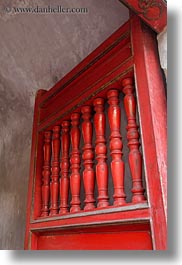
[(108, 237), (98, 161)]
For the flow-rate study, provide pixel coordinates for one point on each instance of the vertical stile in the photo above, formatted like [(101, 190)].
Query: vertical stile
[(135, 157), (101, 151), (75, 179), (117, 165), (46, 174), (88, 156), (64, 180), (55, 170)]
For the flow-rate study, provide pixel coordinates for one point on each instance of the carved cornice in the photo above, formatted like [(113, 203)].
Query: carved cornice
[(151, 9), (153, 12)]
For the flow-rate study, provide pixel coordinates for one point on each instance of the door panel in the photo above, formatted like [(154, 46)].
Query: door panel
[(106, 241), (139, 240), (108, 237)]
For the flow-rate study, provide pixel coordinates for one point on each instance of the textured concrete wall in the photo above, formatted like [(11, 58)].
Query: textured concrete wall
[(36, 51)]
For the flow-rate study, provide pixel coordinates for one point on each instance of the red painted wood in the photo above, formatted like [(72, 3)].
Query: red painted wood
[(49, 236), (140, 214), (75, 179), (68, 96), (86, 94), (142, 225), (34, 241), (64, 180), (152, 108), (135, 156), (130, 220), (117, 165), (125, 240), (46, 174), (102, 63), (55, 170), (39, 161), (33, 160), (106, 65), (101, 150), (152, 12), (88, 156)]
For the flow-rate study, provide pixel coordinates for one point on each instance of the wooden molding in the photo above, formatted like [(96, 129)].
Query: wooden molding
[(153, 12)]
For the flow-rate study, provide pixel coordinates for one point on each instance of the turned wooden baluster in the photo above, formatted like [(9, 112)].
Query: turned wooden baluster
[(46, 174), (101, 150), (75, 180), (55, 170), (88, 155), (117, 165), (135, 157), (64, 180)]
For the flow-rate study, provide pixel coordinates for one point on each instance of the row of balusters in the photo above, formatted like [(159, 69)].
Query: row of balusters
[(60, 175)]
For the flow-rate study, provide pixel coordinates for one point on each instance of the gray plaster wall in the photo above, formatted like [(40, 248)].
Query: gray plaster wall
[(36, 50), (162, 46)]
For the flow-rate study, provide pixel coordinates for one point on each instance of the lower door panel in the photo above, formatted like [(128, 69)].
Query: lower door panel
[(137, 237)]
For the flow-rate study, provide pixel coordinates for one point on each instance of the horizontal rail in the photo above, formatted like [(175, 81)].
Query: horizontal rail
[(99, 88), (132, 216), (109, 210)]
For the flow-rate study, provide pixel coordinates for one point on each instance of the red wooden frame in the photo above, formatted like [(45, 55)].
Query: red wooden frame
[(130, 52), (152, 100), (152, 12)]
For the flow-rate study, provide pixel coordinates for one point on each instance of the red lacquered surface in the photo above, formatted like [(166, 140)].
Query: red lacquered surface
[(101, 150), (135, 156), (116, 237), (55, 170), (117, 165), (130, 54), (46, 174), (88, 156), (152, 12), (75, 163), (64, 176)]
